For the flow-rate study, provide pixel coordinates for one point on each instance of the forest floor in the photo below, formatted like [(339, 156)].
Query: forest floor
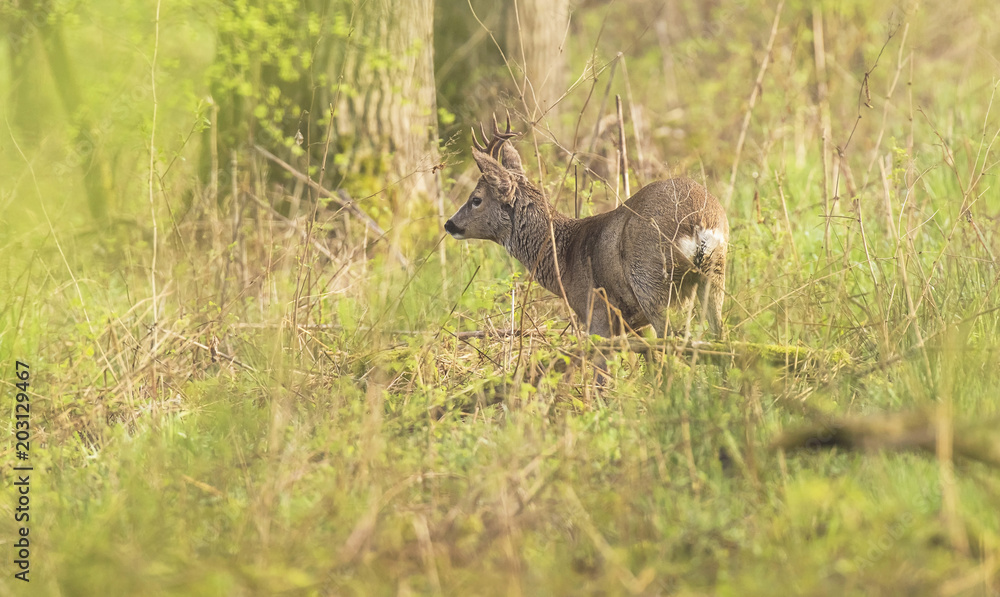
[(241, 395)]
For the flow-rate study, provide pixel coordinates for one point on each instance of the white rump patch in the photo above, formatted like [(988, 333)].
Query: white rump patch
[(704, 242), (688, 246), (710, 240)]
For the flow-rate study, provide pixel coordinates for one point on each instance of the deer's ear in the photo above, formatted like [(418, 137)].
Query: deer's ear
[(510, 159), (496, 175)]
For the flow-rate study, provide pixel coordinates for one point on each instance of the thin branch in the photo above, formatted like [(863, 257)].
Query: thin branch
[(341, 198), (305, 235), (215, 353), (753, 101), (151, 178), (623, 155)]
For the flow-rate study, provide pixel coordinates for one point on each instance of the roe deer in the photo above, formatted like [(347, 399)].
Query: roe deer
[(619, 270)]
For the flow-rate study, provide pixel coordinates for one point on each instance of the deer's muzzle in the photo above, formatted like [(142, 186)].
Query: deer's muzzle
[(451, 228)]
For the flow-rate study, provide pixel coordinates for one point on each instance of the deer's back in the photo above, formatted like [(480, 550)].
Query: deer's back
[(657, 237), (675, 208), (678, 216)]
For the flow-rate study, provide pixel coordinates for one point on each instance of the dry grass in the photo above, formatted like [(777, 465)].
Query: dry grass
[(305, 404)]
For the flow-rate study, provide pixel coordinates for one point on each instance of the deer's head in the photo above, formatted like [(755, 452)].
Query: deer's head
[(488, 213)]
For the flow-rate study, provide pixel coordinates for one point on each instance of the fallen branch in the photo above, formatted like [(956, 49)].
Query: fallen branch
[(498, 333), (504, 333), (793, 357), (901, 431)]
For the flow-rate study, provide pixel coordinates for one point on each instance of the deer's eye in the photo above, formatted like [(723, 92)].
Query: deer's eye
[(476, 201)]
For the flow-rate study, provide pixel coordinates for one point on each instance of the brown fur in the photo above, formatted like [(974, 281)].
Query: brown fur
[(621, 269)]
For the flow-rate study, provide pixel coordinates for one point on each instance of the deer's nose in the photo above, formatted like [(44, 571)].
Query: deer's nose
[(452, 229)]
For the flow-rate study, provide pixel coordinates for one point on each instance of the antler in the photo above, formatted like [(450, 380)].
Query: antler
[(493, 147)]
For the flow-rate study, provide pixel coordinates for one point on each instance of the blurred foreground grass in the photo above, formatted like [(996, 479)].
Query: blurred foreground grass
[(359, 446)]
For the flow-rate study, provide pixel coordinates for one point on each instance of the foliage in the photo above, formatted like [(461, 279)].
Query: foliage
[(308, 415)]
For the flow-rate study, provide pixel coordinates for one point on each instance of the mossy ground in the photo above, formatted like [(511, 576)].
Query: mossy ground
[(359, 446)]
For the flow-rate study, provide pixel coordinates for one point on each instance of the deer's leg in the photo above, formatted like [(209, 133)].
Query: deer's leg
[(595, 318), (682, 293), (712, 292), (654, 297), (686, 306), (658, 319), (655, 305), (598, 315)]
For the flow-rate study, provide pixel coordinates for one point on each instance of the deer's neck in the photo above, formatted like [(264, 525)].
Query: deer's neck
[(531, 241)]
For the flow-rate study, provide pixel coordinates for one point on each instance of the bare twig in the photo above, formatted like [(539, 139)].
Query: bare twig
[(305, 235), (211, 350), (326, 148), (341, 198), (623, 151), (864, 98), (753, 100), (635, 124), (152, 201), (819, 54), (604, 102)]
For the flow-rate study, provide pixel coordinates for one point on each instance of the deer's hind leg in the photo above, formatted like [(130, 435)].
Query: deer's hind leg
[(598, 316), (655, 304), (711, 294)]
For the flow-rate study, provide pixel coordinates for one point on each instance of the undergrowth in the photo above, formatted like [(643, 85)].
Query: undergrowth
[(295, 410)]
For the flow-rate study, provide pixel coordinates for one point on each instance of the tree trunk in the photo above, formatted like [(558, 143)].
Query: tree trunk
[(393, 112), (88, 151), (28, 103), (372, 61), (536, 33), (24, 99)]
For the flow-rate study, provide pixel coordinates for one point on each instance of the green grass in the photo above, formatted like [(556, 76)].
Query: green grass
[(358, 447)]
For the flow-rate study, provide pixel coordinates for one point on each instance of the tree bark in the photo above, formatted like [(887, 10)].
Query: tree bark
[(372, 61), (88, 150), (537, 29), (393, 111), (28, 104)]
